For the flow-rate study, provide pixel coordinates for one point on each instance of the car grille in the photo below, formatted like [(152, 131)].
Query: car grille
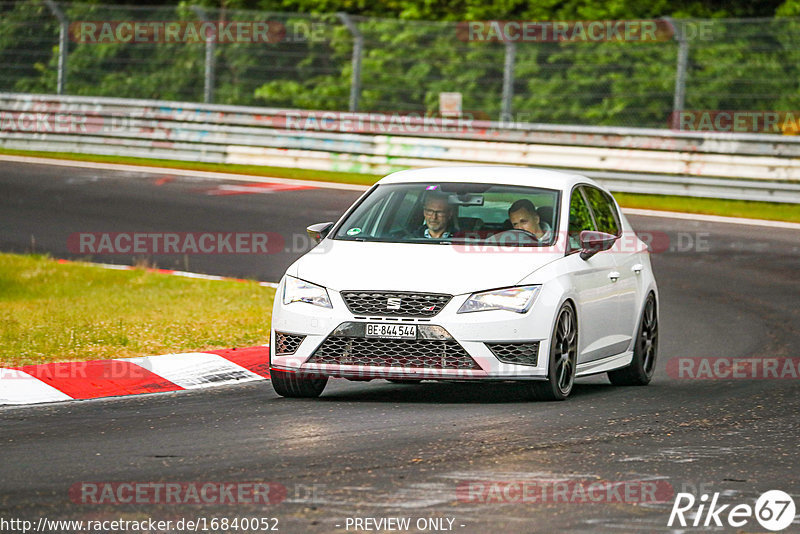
[(423, 353), (525, 353), (287, 343), (405, 304)]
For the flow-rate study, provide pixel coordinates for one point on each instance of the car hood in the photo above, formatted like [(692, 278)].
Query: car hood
[(435, 268)]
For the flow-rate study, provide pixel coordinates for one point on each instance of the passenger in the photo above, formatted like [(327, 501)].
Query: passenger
[(523, 216), (438, 215)]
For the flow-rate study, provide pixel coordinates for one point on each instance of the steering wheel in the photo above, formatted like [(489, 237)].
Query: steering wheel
[(515, 236)]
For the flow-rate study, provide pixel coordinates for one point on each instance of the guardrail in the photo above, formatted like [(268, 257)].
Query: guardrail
[(733, 166)]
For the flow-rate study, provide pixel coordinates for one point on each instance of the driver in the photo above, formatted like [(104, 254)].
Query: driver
[(438, 215), (523, 216)]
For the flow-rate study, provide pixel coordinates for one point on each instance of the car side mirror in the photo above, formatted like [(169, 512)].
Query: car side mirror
[(319, 231), (594, 242)]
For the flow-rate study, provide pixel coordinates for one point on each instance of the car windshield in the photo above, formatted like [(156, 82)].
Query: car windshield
[(447, 212)]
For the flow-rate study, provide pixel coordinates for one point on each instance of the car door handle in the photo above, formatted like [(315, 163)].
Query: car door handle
[(637, 268), (614, 276)]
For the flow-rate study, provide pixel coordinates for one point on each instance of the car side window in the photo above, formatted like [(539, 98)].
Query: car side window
[(580, 219), (604, 210)]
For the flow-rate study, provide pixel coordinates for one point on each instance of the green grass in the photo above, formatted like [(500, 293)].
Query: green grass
[(728, 208), (64, 312), (777, 211)]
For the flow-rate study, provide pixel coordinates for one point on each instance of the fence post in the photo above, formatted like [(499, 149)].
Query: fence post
[(63, 45), (358, 47), (508, 81), (679, 100), (211, 41)]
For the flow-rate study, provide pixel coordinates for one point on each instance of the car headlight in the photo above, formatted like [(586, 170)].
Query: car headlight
[(296, 290), (516, 299)]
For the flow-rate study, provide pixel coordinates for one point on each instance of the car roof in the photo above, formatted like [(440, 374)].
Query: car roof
[(491, 174)]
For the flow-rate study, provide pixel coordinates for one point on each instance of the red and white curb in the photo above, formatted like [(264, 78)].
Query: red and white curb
[(65, 381)]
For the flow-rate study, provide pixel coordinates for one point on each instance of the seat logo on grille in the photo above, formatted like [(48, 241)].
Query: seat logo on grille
[(393, 303)]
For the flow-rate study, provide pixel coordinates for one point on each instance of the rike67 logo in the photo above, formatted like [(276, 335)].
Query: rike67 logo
[(774, 510)]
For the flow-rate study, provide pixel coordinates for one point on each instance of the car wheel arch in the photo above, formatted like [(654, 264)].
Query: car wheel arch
[(651, 291)]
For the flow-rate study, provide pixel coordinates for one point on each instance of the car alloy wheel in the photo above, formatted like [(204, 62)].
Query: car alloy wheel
[(643, 365), (563, 357)]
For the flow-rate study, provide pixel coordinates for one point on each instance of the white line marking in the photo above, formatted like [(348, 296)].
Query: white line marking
[(170, 272), (180, 172), (18, 387), (711, 218)]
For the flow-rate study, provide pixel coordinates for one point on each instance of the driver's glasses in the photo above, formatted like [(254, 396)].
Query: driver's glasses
[(431, 213)]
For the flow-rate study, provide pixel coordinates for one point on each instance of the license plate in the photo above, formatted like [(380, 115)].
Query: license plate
[(392, 331)]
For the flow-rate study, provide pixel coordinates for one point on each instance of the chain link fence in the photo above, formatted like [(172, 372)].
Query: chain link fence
[(341, 62)]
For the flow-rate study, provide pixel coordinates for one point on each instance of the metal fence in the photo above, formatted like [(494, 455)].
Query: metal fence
[(733, 166), (340, 62)]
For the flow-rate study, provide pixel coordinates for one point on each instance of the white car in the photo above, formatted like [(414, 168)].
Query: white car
[(470, 273)]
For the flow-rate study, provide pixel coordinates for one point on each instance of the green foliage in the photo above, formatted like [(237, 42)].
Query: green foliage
[(407, 62), (27, 68)]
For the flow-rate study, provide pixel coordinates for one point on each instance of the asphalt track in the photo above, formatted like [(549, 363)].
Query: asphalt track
[(383, 450)]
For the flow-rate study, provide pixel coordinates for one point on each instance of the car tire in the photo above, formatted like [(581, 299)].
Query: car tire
[(295, 385), (641, 369), (562, 359)]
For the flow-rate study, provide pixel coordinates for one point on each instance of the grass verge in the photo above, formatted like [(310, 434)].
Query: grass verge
[(776, 211), (64, 312), (729, 208)]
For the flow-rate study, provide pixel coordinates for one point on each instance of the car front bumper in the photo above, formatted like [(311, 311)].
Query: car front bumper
[(449, 345)]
